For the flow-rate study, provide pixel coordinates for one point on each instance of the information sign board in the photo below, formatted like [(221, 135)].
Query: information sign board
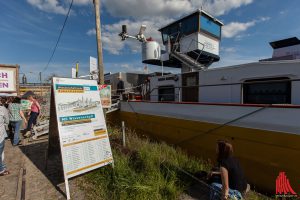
[(105, 95), (82, 131), (8, 79)]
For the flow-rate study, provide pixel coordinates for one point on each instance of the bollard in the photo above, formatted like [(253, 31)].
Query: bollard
[(123, 133)]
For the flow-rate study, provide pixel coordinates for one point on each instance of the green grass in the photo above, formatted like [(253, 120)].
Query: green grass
[(143, 170)]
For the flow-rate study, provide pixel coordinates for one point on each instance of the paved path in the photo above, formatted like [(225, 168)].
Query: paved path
[(29, 178)]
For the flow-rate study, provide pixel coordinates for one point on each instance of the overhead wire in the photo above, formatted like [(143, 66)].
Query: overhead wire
[(58, 39)]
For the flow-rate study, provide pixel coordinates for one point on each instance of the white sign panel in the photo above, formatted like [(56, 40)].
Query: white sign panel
[(73, 72), (93, 64), (8, 79), (210, 45), (82, 130)]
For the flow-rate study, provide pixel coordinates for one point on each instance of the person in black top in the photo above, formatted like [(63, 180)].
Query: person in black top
[(233, 180), (120, 86)]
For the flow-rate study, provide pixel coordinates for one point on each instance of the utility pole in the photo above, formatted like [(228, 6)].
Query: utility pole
[(40, 75), (99, 43), (77, 69)]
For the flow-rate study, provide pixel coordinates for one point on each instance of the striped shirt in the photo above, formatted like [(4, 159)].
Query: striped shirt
[(14, 112), (3, 122)]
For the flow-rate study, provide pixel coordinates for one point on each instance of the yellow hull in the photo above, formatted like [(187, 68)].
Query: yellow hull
[(263, 154)]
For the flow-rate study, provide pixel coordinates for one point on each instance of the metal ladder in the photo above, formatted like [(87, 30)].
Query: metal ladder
[(185, 58)]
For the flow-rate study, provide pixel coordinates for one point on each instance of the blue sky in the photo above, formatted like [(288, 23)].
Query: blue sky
[(29, 29)]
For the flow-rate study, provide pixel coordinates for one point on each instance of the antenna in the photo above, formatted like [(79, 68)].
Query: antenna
[(140, 36)]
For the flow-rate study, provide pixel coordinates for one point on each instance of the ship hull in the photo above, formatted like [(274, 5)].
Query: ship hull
[(266, 144)]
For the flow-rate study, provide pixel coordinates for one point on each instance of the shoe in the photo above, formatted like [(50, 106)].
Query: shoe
[(4, 173), (19, 143), (28, 134)]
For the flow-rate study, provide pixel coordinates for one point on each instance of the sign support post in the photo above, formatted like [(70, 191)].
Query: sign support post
[(67, 189)]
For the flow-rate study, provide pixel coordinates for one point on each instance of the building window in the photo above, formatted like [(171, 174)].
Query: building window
[(267, 91), (209, 26), (166, 93)]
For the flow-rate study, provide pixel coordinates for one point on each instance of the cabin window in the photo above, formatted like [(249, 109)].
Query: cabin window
[(189, 25), (166, 93), (185, 26), (267, 91), (209, 26), (171, 32)]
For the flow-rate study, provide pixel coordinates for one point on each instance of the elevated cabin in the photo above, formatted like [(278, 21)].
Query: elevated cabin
[(192, 41)]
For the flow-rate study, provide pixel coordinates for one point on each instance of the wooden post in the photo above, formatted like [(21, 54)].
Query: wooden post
[(77, 69), (99, 42)]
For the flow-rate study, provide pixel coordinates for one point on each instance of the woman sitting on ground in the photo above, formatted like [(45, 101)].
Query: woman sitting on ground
[(233, 180)]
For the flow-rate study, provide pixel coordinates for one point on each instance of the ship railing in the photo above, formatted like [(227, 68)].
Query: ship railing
[(178, 89)]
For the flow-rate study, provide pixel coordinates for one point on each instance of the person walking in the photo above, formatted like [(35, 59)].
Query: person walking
[(33, 115), (15, 118), (4, 119), (120, 87)]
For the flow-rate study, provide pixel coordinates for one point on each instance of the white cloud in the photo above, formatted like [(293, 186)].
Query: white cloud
[(154, 14), (127, 66), (262, 19), (144, 8), (233, 29), (82, 2), (168, 8), (283, 12), (56, 6), (51, 6), (91, 32), (220, 7), (228, 49)]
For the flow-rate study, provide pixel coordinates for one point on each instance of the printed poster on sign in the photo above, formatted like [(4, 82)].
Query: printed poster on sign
[(105, 95), (82, 129), (8, 79)]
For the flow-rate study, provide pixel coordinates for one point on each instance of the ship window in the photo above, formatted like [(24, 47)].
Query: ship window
[(166, 93), (267, 91), (209, 26)]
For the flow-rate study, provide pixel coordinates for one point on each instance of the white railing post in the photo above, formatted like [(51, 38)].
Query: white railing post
[(123, 134), (179, 95)]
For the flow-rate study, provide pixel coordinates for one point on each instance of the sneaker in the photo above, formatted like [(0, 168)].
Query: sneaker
[(28, 134), (19, 143)]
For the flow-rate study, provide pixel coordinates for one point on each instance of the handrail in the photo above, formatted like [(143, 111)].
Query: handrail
[(225, 84), (177, 45)]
